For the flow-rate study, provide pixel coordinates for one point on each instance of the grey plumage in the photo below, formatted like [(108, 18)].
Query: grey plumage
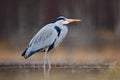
[(44, 38)]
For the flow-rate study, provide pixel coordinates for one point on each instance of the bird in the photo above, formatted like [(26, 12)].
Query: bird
[(48, 38)]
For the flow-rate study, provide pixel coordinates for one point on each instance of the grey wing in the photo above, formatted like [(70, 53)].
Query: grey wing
[(44, 38)]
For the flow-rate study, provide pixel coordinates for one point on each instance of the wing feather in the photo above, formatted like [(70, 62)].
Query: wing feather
[(44, 38)]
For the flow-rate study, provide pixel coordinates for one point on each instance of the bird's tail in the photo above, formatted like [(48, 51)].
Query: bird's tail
[(23, 54), (27, 53)]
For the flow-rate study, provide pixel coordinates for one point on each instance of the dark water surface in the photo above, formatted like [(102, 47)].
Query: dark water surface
[(58, 74)]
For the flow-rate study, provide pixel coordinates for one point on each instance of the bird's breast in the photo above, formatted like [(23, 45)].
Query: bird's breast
[(62, 32)]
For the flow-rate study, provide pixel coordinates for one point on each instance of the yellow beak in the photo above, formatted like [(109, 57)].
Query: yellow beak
[(73, 20)]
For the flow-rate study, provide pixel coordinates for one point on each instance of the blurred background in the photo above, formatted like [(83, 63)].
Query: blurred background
[(95, 39)]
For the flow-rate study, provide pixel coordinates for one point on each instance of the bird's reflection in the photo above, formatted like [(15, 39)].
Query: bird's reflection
[(46, 73)]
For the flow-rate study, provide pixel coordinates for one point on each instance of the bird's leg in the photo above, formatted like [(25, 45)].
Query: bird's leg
[(45, 58), (49, 65)]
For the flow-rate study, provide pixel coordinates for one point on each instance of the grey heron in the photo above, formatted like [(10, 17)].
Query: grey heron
[(47, 38)]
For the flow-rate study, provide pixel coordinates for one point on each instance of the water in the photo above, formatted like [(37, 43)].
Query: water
[(58, 74)]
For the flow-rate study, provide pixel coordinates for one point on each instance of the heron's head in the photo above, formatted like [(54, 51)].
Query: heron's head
[(64, 20)]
